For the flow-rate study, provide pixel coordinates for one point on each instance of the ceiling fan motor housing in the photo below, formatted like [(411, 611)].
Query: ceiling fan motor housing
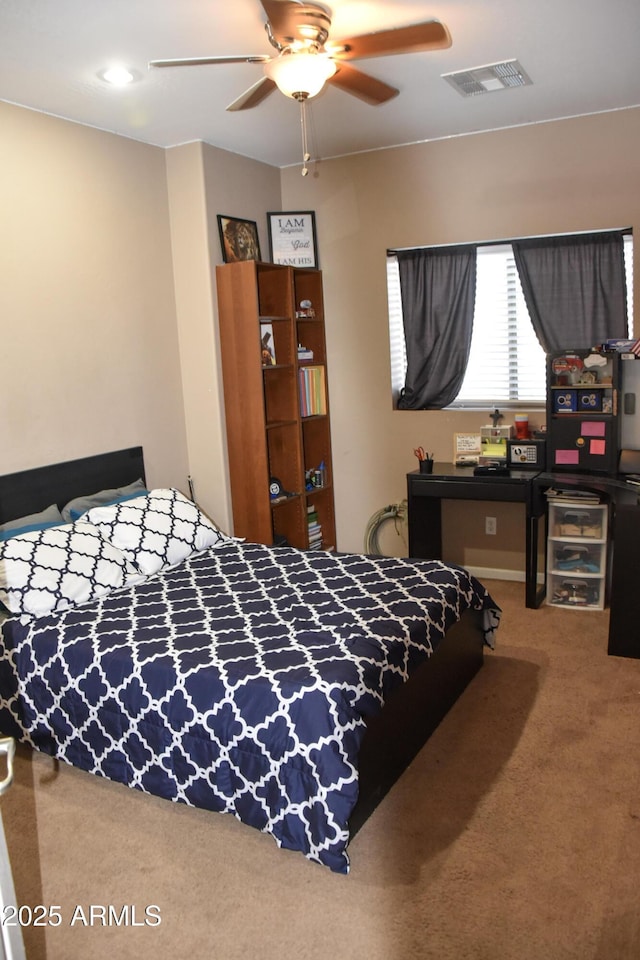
[(298, 25)]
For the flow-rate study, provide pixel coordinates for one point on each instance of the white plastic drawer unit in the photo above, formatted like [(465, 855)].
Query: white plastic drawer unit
[(577, 555)]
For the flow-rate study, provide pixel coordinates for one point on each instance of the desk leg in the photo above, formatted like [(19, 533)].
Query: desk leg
[(534, 595), (623, 601), (425, 528)]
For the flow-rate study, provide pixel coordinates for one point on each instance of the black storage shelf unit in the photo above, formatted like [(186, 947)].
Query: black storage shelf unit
[(583, 415)]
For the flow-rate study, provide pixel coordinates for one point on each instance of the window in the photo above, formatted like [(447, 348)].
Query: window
[(507, 364)]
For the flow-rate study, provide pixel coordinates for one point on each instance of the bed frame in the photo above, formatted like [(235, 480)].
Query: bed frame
[(412, 712), (33, 490)]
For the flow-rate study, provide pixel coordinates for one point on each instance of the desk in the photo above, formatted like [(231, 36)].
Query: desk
[(448, 482)]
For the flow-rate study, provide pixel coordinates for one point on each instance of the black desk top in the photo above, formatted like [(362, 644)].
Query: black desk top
[(617, 488), (450, 472)]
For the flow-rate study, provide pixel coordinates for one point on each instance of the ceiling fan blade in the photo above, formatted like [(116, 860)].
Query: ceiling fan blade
[(254, 95), (362, 85), (430, 35), (200, 61)]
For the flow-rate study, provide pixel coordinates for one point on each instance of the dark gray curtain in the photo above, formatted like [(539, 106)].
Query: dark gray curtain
[(438, 288), (574, 288)]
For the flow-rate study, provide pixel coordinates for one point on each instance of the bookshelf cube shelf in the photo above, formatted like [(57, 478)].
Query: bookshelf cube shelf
[(276, 403)]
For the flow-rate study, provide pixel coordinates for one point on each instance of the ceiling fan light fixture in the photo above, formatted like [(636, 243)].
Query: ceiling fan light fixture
[(300, 75)]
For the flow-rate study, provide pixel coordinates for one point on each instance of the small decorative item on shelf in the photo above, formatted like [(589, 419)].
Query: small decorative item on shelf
[(305, 310), (304, 353), (277, 491), (315, 478)]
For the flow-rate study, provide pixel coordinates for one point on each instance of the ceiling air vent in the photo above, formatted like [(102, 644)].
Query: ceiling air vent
[(487, 79)]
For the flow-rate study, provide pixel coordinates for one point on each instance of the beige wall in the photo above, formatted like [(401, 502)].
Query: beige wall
[(569, 175), (108, 308), (107, 300), (89, 341), (204, 182)]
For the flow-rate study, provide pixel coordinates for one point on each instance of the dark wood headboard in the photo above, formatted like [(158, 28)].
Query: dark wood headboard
[(32, 490)]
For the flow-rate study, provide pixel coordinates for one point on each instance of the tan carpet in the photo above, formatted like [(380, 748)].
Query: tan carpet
[(515, 835)]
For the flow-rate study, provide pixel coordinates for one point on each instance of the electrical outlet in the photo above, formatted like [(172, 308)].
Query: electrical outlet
[(490, 525)]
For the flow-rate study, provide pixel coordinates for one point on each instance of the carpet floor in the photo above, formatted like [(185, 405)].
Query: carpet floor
[(514, 835)]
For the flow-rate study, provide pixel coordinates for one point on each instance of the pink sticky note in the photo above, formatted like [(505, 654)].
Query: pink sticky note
[(568, 456), (598, 447), (592, 428)]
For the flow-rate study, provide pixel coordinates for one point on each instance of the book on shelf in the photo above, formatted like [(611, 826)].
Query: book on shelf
[(314, 528), (313, 391), (304, 353)]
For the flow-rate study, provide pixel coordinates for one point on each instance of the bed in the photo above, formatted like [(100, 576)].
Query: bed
[(289, 688)]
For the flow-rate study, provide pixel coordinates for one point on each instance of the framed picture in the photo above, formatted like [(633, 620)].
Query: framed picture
[(267, 345), (292, 238), (238, 239), (467, 448)]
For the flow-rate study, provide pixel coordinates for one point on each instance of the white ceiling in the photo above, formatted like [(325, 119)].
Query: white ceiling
[(583, 57)]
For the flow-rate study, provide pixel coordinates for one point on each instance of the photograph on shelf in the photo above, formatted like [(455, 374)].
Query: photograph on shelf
[(238, 239), (292, 238), (267, 346)]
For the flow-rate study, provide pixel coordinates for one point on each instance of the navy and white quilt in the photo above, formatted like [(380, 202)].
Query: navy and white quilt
[(237, 680)]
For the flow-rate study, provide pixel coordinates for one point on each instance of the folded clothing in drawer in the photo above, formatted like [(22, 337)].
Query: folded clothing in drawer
[(575, 558), (579, 523)]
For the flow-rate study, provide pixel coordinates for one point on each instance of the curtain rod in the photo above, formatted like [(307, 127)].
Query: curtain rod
[(497, 243)]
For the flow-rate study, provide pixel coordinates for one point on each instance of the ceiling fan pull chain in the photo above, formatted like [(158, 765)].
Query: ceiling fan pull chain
[(306, 156)]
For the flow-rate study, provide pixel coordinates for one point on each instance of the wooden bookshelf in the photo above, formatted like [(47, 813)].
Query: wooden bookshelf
[(267, 434)]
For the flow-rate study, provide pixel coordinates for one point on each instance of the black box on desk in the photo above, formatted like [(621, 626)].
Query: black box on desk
[(526, 454)]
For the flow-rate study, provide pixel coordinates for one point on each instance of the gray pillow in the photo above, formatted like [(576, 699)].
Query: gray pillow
[(49, 515), (75, 508)]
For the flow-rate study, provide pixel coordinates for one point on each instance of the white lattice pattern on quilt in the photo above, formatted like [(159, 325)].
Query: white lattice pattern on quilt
[(237, 681)]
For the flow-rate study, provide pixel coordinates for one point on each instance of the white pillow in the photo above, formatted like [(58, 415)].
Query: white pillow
[(48, 570), (158, 530)]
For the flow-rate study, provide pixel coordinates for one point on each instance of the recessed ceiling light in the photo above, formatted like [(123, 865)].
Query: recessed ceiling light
[(118, 76)]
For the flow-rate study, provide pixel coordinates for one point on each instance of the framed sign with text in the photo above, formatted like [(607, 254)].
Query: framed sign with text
[(292, 238)]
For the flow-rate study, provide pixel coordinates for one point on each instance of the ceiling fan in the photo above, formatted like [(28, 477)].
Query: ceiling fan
[(307, 59)]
